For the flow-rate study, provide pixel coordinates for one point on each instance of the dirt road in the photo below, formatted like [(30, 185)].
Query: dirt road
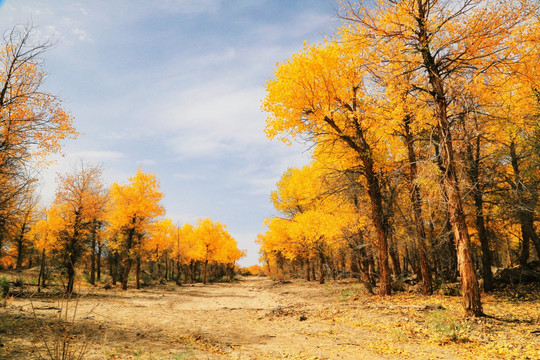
[(254, 318)]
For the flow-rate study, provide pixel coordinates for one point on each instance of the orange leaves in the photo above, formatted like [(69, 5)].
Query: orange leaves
[(161, 235), (214, 243), (322, 81), (78, 207), (314, 219), (136, 205), (33, 121)]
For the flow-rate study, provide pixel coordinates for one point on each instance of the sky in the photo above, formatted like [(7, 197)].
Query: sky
[(175, 87)]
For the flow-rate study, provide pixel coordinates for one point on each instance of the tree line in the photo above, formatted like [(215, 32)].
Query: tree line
[(422, 117), (87, 222)]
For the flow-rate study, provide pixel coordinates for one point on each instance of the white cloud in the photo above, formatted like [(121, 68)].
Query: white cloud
[(97, 155), (175, 85), (190, 7), (189, 176), (81, 34)]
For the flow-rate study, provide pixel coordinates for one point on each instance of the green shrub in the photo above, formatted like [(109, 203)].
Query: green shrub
[(4, 287), (445, 326)]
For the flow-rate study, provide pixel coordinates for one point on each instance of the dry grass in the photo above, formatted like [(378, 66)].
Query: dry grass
[(259, 319)]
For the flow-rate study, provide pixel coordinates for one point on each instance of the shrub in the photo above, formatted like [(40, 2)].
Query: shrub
[(4, 287), (445, 326)]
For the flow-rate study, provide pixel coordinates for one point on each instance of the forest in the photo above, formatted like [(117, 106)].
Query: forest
[(422, 118), (410, 234)]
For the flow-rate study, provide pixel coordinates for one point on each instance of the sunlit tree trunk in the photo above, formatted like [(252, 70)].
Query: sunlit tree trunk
[(469, 284)]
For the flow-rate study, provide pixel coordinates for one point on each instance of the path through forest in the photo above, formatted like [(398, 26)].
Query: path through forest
[(254, 318)]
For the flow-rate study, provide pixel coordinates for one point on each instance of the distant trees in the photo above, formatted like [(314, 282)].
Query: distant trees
[(124, 224), (133, 208), (75, 215)]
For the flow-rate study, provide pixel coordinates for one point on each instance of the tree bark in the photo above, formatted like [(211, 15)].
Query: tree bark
[(178, 273), (126, 267), (71, 277), (205, 268), (469, 284), (41, 276), (416, 201), (484, 242), (20, 250), (98, 263), (394, 257), (321, 267), (93, 260), (474, 176), (308, 277), (525, 210), (138, 272), (360, 145), (127, 260)]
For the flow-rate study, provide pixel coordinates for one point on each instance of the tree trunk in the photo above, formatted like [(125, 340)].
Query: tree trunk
[(113, 266), (484, 242), (98, 263), (126, 268), (359, 273), (526, 208), (1, 246), (167, 270), (528, 232), (474, 176), (204, 274), (379, 223), (127, 260), (178, 273), (20, 243), (360, 145), (321, 267), (138, 272), (41, 276), (416, 201), (469, 285), (452, 270), (71, 277), (93, 260), (231, 271), (394, 257), (20, 249), (308, 277)]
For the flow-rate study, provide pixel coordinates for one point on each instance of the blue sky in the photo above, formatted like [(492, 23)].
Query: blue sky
[(175, 86)]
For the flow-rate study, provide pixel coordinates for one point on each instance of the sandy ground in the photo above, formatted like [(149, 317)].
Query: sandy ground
[(254, 318)]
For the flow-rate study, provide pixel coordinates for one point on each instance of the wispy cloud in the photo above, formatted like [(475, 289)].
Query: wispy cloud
[(97, 155), (175, 86)]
